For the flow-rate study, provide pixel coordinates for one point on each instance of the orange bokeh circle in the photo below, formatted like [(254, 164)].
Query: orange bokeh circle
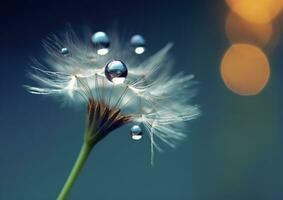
[(245, 69), (239, 30), (256, 11)]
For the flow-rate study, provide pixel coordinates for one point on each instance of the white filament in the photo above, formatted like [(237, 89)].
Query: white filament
[(165, 99)]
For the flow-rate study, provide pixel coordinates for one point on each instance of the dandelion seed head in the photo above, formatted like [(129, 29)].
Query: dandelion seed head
[(145, 93)]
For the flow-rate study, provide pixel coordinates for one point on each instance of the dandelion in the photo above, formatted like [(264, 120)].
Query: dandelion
[(117, 89)]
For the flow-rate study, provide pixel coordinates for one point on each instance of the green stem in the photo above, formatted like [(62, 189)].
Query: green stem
[(82, 157)]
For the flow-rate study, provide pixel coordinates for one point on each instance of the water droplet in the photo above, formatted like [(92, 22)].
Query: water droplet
[(64, 51), (116, 71), (136, 132), (101, 42), (138, 43)]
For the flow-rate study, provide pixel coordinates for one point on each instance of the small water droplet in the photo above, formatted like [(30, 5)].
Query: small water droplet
[(64, 51), (138, 43), (116, 71), (136, 132), (101, 42)]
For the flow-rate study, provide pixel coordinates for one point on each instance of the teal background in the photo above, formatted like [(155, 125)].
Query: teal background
[(234, 151)]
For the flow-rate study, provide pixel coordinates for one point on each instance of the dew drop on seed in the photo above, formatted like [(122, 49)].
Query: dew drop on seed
[(138, 43), (101, 42), (136, 132), (64, 51), (116, 71)]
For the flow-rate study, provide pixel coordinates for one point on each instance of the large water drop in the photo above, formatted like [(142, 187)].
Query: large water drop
[(116, 71)]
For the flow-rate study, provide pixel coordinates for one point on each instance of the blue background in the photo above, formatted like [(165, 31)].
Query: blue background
[(234, 151)]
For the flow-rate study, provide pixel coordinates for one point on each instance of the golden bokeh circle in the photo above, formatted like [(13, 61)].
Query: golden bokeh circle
[(245, 69), (256, 11), (239, 30)]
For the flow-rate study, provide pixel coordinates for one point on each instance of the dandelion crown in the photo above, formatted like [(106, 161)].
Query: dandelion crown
[(117, 88)]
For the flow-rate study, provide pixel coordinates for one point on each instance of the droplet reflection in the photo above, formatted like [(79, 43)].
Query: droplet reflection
[(116, 71), (101, 42), (64, 51), (138, 43), (136, 132)]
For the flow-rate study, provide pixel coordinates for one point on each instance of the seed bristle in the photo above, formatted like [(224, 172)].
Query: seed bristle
[(103, 118)]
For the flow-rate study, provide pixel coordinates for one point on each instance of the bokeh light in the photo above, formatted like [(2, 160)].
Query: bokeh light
[(256, 11), (239, 30), (245, 69)]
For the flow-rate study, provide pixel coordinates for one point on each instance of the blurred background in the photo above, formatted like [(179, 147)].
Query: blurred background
[(234, 151)]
